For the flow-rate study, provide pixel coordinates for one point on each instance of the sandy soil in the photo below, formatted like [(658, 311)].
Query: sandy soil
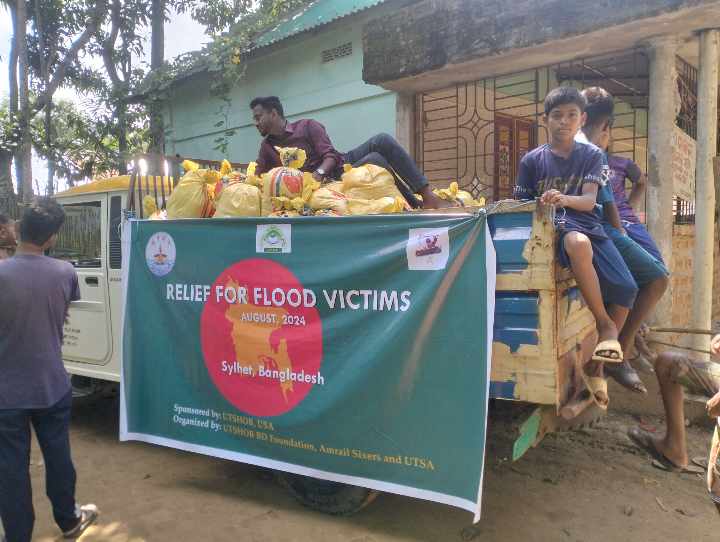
[(589, 485)]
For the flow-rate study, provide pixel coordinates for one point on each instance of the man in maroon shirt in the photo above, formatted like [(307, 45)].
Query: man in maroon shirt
[(325, 162)]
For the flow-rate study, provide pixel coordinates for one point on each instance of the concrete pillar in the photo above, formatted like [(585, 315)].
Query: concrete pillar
[(707, 114), (405, 121), (664, 105)]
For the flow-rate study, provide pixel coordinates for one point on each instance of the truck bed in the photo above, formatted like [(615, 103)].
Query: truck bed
[(543, 329)]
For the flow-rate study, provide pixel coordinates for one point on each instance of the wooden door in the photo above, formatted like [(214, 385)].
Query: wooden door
[(514, 137)]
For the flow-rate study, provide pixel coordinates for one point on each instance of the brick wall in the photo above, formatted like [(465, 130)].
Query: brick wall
[(682, 269)]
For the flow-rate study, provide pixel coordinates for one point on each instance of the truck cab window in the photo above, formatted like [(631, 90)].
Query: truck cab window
[(79, 238)]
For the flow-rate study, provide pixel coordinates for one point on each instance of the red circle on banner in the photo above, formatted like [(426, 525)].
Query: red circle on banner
[(261, 337)]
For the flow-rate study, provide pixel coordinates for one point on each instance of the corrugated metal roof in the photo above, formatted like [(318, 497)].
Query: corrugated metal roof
[(316, 14)]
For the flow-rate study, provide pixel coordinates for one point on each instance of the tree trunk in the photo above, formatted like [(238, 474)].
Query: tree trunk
[(8, 201), (25, 150), (123, 158), (157, 59), (12, 78), (50, 189)]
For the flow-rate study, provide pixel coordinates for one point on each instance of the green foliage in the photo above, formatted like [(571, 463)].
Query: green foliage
[(83, 143), (224, 57), (9, 131)]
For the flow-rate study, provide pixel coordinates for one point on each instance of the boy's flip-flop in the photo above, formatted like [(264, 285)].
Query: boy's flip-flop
[(668, 466), (595, 384), (608, 351), (644, 441), (624, 374)]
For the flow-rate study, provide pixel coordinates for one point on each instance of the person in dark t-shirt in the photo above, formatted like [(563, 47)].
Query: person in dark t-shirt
[(35, 295), (649, 272), (568, 174), (622, 168)]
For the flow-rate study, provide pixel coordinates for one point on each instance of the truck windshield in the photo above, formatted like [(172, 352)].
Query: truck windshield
[(79, 238)]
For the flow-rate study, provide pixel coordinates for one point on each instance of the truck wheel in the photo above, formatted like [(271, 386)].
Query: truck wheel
[(87, 391), (325, 496)]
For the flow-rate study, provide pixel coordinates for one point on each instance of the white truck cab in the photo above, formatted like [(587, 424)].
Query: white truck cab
[(90, 240)]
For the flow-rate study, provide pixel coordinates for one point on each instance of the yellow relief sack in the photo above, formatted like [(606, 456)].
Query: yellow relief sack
[(453, 193), (282, 182), (253, 179), (238, 199), (368, 182), (376, 206), (329, 197), (193, 196)]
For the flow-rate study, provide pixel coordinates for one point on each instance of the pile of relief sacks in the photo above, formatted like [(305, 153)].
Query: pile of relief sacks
[(287, 192)]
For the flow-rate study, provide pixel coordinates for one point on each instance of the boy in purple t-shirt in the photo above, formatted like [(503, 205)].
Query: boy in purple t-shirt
[(35, 294), (621, 169), (567, 174)]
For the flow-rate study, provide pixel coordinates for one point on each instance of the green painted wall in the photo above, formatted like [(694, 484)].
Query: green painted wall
[(332, 93)]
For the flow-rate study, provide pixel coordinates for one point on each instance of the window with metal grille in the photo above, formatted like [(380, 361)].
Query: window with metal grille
[(683, 211), (328, 55), (114, 242), (477, 132)]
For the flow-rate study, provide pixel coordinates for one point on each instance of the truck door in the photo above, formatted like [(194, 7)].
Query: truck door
[(83, 242)]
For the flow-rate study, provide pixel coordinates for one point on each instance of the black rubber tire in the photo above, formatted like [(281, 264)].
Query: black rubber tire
[(87, 393), (328, 497)]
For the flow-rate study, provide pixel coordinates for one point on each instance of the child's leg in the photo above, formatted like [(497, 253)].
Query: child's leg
[(580, 253), (619, 315)]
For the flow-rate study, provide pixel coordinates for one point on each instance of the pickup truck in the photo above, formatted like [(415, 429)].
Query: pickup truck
[(543, 330)]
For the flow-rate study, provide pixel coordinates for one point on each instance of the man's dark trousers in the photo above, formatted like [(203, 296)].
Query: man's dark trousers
[(52, 430), (384, 151)]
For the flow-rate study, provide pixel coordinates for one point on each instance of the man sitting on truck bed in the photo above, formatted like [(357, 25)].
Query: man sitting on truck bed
[(567, 174), (325, 162), (649, 272)]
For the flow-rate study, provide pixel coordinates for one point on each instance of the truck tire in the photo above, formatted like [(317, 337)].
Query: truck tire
[(328, 497), (87, 391)]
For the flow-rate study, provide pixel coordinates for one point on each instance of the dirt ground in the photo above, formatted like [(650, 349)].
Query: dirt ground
[(589, 485)]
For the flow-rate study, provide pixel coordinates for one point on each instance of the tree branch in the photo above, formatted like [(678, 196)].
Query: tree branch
[(97, 16), (109, 45), (13, 64)]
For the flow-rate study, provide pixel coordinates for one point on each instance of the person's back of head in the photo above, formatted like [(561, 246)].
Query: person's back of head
[(41, 221), (563, 96), (599, 110)]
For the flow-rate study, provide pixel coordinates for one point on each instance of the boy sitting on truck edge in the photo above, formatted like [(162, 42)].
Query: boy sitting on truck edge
[(567, 174), (649, 273), (325, 162)]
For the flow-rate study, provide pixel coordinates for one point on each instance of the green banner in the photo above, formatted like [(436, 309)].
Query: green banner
[(352, 349)]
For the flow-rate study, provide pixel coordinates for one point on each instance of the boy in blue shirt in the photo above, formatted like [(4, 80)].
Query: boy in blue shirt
[(649, 272), (568, 174)]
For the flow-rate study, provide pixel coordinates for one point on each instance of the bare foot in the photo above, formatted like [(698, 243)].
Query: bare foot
[(607, 331), (432, 201), (678, 458)]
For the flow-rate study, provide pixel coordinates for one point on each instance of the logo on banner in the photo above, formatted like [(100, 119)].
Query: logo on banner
[(261, 337), (160, 254), (427, 249), (273, 238)]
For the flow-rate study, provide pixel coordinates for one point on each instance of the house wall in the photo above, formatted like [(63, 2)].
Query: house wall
[(682, 275), (332, 93)]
